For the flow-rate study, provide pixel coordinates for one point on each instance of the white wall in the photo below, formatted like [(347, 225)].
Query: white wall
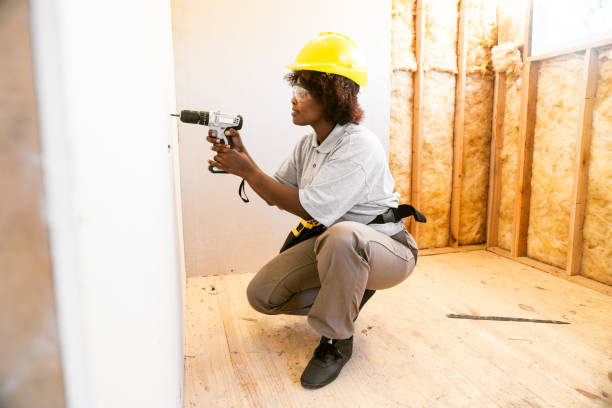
[(229, 56), (104, 80)]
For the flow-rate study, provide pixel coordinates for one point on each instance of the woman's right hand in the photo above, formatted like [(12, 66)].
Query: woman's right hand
[(230, 134)]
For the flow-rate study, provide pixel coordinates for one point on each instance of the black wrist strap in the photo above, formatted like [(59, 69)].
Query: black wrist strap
[(242, 192)]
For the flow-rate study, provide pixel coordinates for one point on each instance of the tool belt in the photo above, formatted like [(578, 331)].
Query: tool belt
[(310, 228)]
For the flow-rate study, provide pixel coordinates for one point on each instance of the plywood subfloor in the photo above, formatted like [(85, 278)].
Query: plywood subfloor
[(407, 353)]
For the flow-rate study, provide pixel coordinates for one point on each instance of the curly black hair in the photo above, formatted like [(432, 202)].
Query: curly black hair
[(336, 93)]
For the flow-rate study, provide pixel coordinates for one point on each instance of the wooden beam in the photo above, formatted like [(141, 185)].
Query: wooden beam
[(579, 48), (495, 166), (581, 164), (455, 215), (417, 120), (449, 249), (529, 80), (529, 83)]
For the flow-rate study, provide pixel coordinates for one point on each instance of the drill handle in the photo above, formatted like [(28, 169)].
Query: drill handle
[(221, 136)]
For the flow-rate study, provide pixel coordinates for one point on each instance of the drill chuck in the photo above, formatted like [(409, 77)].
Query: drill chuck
[(198, 117)]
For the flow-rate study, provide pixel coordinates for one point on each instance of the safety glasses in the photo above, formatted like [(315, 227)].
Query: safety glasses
[(300, 93)]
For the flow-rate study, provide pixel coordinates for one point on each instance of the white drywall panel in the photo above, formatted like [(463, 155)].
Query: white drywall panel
[(104, 78), (229, 56)]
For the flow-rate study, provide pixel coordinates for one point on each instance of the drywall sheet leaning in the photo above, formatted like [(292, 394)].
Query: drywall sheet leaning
[(511, 21), (476, 152), (400, 134), (509, 158), (597, 233), (437, 157), (403, 64), (440, 37), (556, 127)]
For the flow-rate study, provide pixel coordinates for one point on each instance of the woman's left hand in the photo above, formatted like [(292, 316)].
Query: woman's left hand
[(231, 160)]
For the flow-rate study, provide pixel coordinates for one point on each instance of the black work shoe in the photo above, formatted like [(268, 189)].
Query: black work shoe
[(326, 363)]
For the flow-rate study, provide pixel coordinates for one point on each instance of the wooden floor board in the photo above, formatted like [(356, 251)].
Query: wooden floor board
[(407, 353)]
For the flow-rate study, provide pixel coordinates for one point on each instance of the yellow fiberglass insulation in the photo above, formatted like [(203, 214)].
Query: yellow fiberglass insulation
[(481, 34), (597, 233), (440, 37), (400, 132), (507, 58), (554, 148), (509, 159), (476, 152), (511, 21), (402, 35), (437, 157)]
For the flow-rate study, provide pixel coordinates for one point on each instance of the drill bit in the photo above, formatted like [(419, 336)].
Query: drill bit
[(175, 114)]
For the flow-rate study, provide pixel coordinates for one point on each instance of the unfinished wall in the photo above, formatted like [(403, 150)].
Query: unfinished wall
[(507, 59), (481, 32), (509, 160), (554, 148), (511, 21), (597, 250), (403, 64), (437, 157), (476, 155), (438, 107)]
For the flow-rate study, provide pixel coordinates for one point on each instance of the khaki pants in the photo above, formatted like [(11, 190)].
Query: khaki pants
[(325, 277)]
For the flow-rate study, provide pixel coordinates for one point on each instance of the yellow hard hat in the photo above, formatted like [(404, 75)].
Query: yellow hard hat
[(333, 53)]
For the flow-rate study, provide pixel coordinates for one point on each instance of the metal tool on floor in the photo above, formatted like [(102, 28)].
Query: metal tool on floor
[(504, 319)]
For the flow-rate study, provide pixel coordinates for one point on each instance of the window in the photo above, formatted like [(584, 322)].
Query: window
[(560, 24)]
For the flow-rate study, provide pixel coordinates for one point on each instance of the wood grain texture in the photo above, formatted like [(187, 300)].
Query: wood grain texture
[(529, 83), (590, 75), (495, 170), (455, 212), (414, 356), (417, 119)]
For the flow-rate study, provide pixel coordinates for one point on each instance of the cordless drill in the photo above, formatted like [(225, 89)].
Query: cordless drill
[(217, 121)]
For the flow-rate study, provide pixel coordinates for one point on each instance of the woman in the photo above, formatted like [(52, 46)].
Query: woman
[(337, 176)]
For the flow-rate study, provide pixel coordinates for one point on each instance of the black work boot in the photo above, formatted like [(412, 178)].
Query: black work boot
[(325, 365)]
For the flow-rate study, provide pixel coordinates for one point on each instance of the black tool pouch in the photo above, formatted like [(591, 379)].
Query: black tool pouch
[(305, 229)]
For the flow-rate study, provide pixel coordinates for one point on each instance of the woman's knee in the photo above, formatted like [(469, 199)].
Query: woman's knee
[(258, 296)]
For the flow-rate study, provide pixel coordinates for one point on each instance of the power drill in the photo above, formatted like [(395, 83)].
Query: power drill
[(217, 121)]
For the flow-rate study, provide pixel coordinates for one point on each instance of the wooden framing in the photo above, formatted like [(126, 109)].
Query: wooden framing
[(583, 144), (529, 79), (455, 213), (497, 143), (585, 47), (526, 127), (523, 186), (417, 140), (448, 250)]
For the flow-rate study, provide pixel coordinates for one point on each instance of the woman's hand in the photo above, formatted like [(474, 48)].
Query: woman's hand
[(232, 160), (229, 133)]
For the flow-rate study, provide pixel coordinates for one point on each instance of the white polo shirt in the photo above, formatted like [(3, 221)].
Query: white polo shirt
[(345, 178)]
